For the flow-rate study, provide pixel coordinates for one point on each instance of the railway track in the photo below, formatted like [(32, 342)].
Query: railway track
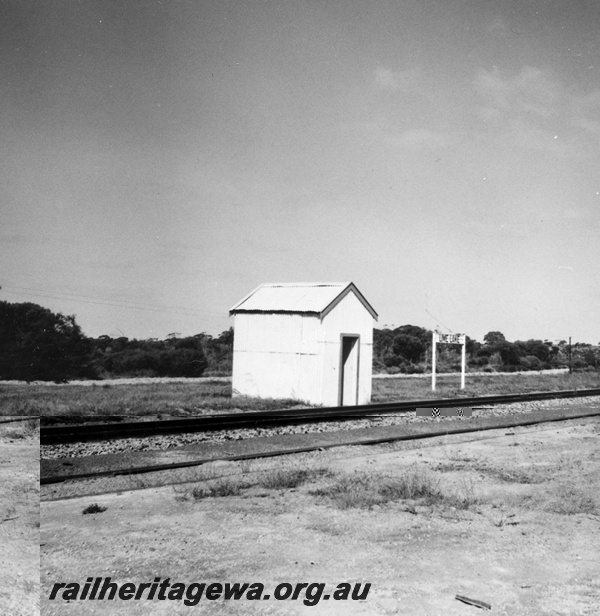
[(52, 435), (53, 472), (14, 420)]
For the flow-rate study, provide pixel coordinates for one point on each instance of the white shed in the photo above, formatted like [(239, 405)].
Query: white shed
[(305, 341)]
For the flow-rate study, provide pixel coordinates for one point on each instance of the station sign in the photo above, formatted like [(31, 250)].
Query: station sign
[(449, 338), (439, 338)]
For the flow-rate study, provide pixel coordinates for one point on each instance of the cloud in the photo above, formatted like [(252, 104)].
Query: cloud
[(587, 103), (532, 92), (395, 81), (591, 126), (385, 79), (537, 110), (413, 138), (527, 135), (498, 26)]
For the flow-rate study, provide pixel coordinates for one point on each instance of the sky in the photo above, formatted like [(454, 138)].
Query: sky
[(161, 159)]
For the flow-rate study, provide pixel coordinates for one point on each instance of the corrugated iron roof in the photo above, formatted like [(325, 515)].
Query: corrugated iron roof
[(302, 297)]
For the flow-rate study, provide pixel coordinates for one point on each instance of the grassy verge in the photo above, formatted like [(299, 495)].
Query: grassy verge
[(389, 390), (417, 488), (359, 490), (179, 399), (215, 396)]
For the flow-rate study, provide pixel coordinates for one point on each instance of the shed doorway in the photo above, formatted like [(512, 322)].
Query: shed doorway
[(349, 371)]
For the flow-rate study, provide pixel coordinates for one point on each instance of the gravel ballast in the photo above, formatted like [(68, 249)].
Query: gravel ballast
[(171, 441)]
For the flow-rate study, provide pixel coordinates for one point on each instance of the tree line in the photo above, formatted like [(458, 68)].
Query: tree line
[(407, 349), (38, 344)]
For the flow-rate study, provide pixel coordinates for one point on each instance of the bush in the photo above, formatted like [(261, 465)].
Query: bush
[(174, 357), (378, 366), (509, 353), (220, 487), (37, 344), (409, 347), (531, 362)]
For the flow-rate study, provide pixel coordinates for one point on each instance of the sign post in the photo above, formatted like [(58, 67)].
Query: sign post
[(433, 356), (439, 338), (463, 364)]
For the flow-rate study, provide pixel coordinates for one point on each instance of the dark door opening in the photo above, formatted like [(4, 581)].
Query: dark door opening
[(349, 371)]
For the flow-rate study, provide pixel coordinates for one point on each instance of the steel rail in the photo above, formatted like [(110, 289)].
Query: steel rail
[(451, 429), (51, 435), (25, 418)]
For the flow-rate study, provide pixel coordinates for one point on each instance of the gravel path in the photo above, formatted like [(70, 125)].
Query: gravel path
[(169, 441)]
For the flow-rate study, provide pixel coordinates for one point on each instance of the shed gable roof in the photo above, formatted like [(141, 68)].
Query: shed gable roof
[(299, 297)]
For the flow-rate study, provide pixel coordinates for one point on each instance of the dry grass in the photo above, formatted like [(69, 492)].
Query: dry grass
[(220, 487), (507, 475), (275, 479), (515, 475), (464, 497), (415, 388), (416, 485), (570, 501), (199, 397), (179, 399), (562, 499), (287, 478)]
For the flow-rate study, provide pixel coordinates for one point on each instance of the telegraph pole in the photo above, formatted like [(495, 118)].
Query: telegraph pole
[(570, 356)]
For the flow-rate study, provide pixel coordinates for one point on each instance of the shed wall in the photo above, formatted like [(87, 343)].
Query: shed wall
[(277, 356)]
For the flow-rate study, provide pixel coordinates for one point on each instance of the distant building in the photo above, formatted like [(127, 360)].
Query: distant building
[(306, 341)]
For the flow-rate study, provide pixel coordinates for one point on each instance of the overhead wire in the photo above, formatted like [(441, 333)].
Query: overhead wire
[(435, 318), (86, 299)]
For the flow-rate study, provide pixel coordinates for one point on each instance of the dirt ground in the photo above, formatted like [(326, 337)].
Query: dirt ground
[(519, 528), (19, 521)]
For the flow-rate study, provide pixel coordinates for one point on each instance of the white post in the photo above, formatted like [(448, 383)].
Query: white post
[(463, 364), (433, 354)]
